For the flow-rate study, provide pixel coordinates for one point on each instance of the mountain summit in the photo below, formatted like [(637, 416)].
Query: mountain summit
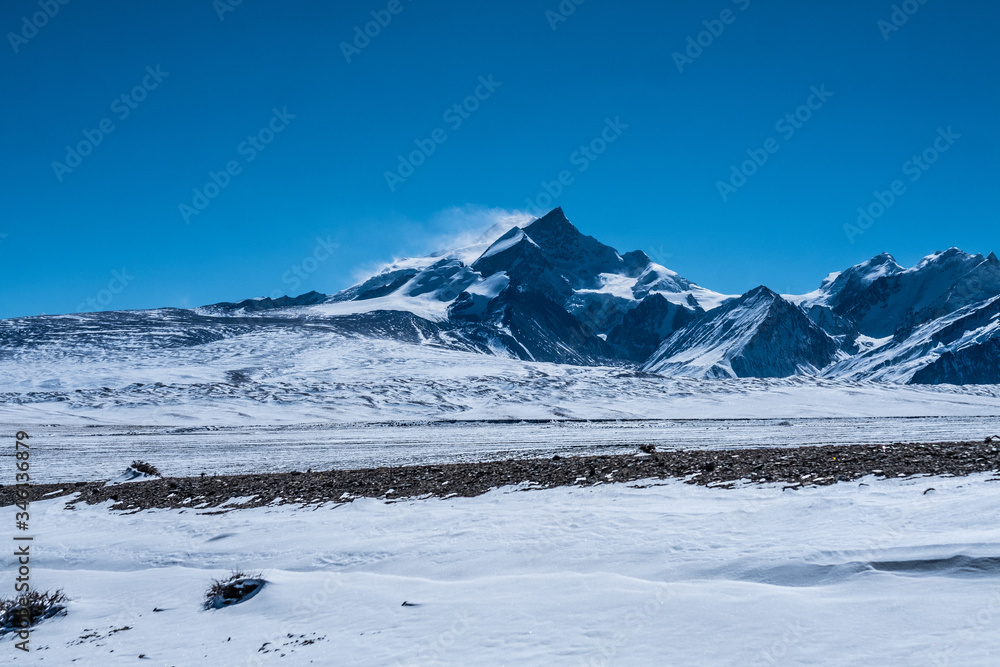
[(759, 334)]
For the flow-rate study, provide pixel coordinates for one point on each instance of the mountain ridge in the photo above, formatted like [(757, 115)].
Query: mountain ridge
[(544, 291)]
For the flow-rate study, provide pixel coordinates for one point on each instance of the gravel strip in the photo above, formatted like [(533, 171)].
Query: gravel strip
[(793, 467)]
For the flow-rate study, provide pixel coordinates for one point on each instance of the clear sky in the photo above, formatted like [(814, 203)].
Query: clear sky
[(300, 132)]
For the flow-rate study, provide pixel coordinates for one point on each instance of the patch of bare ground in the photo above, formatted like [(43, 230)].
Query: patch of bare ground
[(793, 467)]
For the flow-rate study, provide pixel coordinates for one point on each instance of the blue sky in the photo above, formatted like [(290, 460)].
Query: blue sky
[(300, 140)]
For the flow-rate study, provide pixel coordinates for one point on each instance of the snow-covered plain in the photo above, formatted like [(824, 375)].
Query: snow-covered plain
[(655, 573), (668, 574), (72, 453), (303, 398), (307, 374)]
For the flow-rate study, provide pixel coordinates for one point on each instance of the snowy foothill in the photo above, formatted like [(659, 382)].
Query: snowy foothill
[(295, 399), (308, 374), (655, 572)]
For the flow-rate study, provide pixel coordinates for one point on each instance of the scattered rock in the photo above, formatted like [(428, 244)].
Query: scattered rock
[(137, 472), (145, 468), (236, 588), (777, 465)]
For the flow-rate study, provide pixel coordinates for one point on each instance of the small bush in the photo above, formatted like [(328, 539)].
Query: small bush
[(146, 468), (237, 587), (22, 612)]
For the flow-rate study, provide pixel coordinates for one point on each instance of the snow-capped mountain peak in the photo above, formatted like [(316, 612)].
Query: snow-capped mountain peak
[(543, 291), (760, 334), (844, 286), (508, 240)]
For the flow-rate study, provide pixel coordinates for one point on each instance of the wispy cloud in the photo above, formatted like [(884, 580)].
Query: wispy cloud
[(461, 231), (466, 228)]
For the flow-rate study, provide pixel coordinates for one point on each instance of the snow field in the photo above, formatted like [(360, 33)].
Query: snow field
[(649, 573)]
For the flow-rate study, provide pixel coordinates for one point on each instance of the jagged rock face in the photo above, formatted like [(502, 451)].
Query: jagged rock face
[(847, 287), (978, 363), (636, 262), (267, 303), (908, 298), (580, 258), (833, 324), (518, 256), (937, 352), (758, 335), (598, 312), (377, 286), (786, 343), (536, 328), (545, 330), (655, 279), (647, 325), (470, 307), (445, 280), (587, 279), (982, 282)]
